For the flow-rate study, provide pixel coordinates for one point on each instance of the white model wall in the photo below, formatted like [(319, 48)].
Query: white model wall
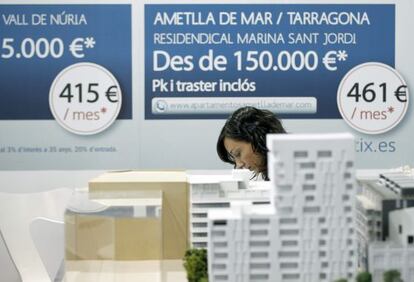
[(396, 253), (385, 257), (242, 244), (402, 220), (220, 195)]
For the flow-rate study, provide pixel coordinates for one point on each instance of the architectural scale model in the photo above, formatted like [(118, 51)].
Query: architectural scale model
[(307, 233), (313, 222), (220, 191), (386, 221)]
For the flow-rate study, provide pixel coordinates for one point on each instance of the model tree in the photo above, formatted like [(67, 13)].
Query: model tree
[(364, 277), (195, 263), (392, 275)]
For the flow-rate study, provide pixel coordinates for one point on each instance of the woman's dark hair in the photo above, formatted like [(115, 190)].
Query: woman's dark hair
[(251, 125)]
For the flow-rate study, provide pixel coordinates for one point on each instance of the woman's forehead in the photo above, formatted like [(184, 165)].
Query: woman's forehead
[(231, 144)]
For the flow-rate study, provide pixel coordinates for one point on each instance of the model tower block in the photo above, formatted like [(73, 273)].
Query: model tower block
[(307, 233), (313, 176)]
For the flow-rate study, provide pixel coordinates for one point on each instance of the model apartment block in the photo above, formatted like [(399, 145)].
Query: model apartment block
[(385, 217), (307, 233), (219, 191)]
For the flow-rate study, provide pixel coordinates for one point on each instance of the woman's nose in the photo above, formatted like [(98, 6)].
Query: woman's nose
[(239, 165)]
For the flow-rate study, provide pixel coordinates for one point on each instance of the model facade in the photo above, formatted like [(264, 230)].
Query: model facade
[(242, 243), (308, 232), (218, 191), (386, 211)]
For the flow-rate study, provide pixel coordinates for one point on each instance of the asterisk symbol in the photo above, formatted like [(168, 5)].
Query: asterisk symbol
[(89, 42), (342, 55), (103, 110), (391, 109)]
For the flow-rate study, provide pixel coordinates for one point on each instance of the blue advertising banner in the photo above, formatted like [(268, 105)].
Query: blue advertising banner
[(39, 41), (204, 61)]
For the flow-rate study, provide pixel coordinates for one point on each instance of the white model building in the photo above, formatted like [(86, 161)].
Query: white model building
[(217, 191), (243, 243), (371, 195), (314, 180), (311, 235), (390, 192), (383, 192), (398, 251)]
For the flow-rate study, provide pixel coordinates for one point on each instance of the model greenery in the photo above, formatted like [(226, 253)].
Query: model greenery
[(364, 277), (392, 276), (195, 263), (341, 280)]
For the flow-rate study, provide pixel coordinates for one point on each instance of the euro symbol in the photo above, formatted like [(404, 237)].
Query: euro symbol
[(401, 93), (112, 94), (328, 60), (76, 48)]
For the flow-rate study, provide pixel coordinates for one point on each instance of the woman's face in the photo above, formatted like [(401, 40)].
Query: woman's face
[(243, 155)]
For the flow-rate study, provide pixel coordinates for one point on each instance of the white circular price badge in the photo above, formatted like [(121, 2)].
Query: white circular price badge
[(372, 98), (85, 98)]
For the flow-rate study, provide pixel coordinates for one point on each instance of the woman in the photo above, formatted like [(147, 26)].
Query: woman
[(242, 141)]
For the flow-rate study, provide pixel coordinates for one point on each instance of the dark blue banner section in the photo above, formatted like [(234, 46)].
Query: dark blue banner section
[(39, 41), (206, 60)]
